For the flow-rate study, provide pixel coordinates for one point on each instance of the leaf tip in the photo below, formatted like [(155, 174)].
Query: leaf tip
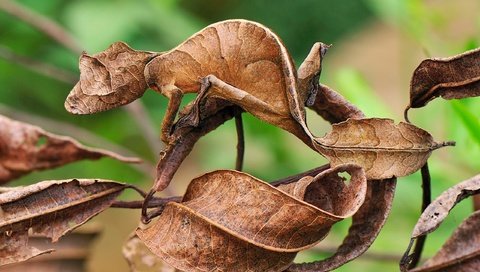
[(443, 144)]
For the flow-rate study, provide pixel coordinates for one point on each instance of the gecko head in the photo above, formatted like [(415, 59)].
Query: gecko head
[(109, 79)]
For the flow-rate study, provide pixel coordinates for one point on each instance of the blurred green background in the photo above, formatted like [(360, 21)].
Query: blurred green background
[(376, 46)]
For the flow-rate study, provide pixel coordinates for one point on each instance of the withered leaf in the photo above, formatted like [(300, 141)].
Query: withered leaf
[(71, 253), (49, 208), (109, 79), (333, 107), (438, 210), (382, 148), (461, 252), (366, 225), (451, 78), (231, 221), (140, 258), (25, 148)]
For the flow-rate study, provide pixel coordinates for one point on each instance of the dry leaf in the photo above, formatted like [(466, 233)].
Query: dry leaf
[(366, 225), (333, 107), (231, 221), (141, 259), (71, 252), (451, 78), (383, 149), (461, 252), (25, 148), (49, 208), (184, 139), (438, 210), (109, 79)]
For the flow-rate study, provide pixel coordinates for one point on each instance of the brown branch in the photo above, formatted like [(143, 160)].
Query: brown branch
[(139, 113), (184, 140), (374, 256), (42, 23), (240, 141), (312, 172), (414, 258), (39, 67), (153, 203)]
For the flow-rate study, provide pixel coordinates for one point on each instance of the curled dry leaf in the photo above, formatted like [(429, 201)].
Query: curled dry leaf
[(383, 149), (49, 208), (184, 139), (71, 253), (333, 107), (451, 78), (140, 258), (231, 221), (366, 225), (109, 79), (461, 252), (438, 210), (25, 148)]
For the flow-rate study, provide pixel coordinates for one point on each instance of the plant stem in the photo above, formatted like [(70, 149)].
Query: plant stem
[(240, 141), (426, 200)]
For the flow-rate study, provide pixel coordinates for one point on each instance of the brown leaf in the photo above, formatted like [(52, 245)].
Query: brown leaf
[(71, 253), (231, 221), (109, 79), (25, 148), (140, 258), (333, 107), (451, 78), (438, 210), (50, 208), (461, 252), (366, 225), (383, 149), (184, 139)]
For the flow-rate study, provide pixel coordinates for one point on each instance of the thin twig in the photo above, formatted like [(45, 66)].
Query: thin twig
[(426, 200), (39, 67), (138, 204), (147, 217), (42, 23), (312, 172), (374, 256), (139, 114), (240, 141)]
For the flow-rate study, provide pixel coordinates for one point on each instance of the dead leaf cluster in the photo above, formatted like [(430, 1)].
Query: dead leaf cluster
[(228, 220)]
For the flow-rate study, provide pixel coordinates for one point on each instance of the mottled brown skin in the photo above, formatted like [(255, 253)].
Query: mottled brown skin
[(239, 61), (236, 60)]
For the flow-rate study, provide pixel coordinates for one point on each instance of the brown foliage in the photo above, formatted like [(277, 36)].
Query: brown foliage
[(249, 221), (461, 252), (229, 220), (49, 208), (383, 149), (25, 148), (451, 78)]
